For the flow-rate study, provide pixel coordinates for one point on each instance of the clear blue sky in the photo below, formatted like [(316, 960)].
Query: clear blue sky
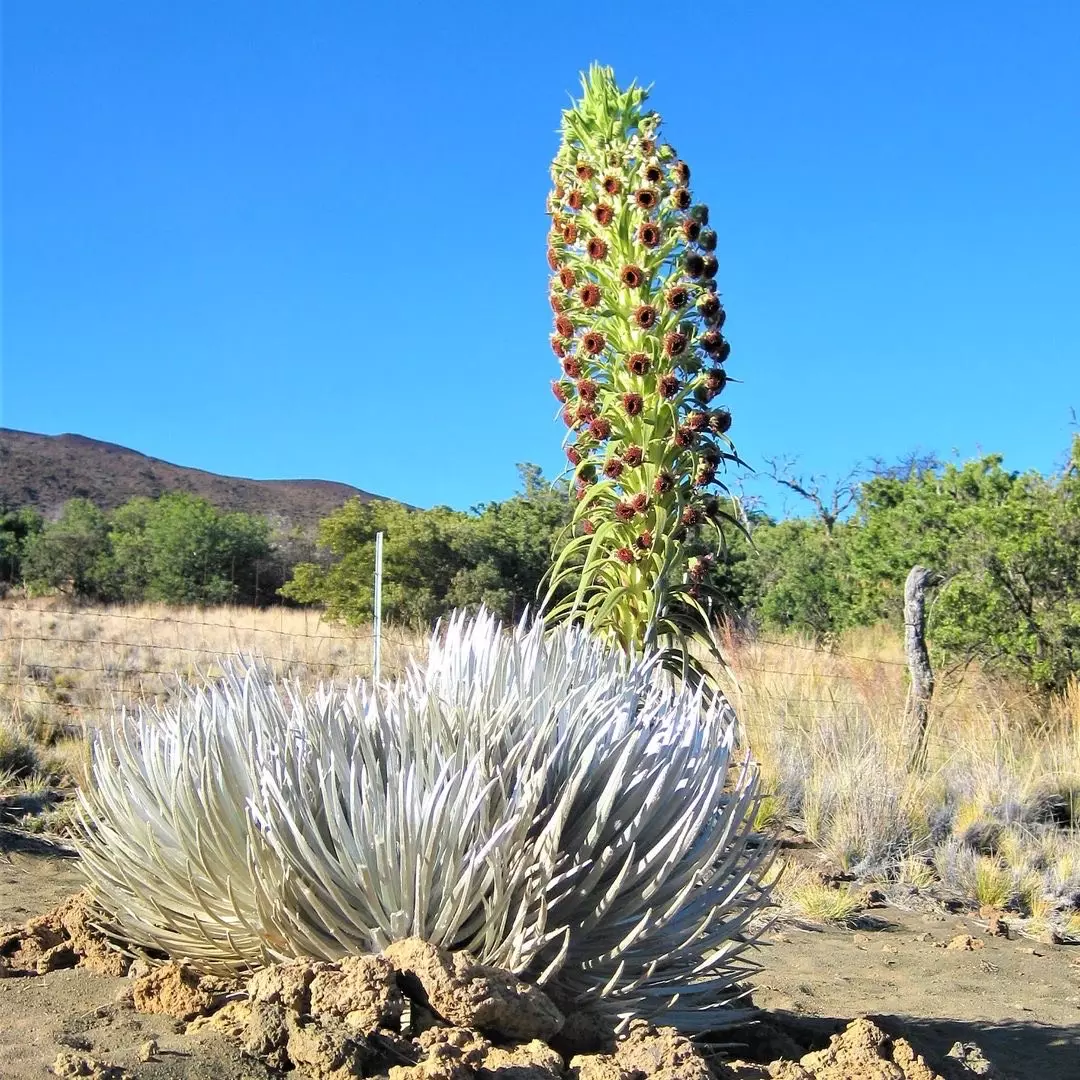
[(307, 240)]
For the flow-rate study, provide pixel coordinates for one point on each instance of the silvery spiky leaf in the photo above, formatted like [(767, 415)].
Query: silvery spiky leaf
[(533, 797)]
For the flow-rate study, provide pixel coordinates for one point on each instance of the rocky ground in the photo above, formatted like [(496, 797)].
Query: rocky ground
[(946, 999)]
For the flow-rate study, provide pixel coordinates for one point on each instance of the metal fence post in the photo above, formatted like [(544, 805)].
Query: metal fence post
[(376, 620)]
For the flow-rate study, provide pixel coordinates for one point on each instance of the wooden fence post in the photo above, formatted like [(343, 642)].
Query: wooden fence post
[(921, 689)]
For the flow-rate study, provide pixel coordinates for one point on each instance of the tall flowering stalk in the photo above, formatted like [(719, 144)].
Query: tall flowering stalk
[(639, 336)]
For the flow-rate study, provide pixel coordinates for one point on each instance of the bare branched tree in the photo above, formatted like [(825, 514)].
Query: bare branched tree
[(914, 463), (830, 503)]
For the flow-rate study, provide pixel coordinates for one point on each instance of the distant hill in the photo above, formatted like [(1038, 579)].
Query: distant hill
[(44, 471)]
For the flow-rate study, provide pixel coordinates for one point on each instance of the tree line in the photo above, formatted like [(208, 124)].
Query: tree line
[(1005, 547)]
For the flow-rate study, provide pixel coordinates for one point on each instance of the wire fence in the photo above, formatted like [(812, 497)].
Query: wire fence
[(70, 667)]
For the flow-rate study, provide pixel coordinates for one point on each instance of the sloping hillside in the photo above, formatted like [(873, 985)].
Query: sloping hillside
[(45, 471)]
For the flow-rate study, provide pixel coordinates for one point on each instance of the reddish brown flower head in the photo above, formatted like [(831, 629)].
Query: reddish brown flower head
[(638, 364), (593, 342), (613, 468), (574, 200), (710, 452), (710, 266), (633, 456), (573, 455), (640, 502), (552, 258), (663, 483), (695, 420), (644, 540), (675, 343), (587, 527), (712, 341), (585, 413), (716, 379), (565, 326), (632, 403), (555, 300), (560, 390), (567, 278), (604, 214), (587, 389), (700, 567), (571, 366), (691, 229), (649, 234), (584, 172), (647, 146), (653, 173), (668, 385), (645, 316), (705, 475), (600, 428), (681, 171), (691, 516), (589, 295), (646, 198), (695, 592), (683, 437), (568, 417), (624, 555), (680, 198), (560, 191), (694, 264), (596, 248), (611, 185), (632, 276), (582, 490), (557, 347), (677, 297), (720, 422), (623, 511), (569, 233), (709, 305)]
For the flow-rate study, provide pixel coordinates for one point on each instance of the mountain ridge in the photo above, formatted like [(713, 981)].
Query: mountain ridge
[(44, 471)]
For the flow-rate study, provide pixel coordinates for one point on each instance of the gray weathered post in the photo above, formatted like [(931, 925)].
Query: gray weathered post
[(921, 690)]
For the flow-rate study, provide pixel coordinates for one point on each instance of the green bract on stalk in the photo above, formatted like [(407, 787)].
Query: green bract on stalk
[(639, 335)]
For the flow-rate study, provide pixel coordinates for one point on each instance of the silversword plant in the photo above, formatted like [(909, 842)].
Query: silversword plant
[(534, 797), (639, 336)]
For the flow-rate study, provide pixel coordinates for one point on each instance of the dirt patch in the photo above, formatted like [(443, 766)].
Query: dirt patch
[(1014, 1002), (467, 994)]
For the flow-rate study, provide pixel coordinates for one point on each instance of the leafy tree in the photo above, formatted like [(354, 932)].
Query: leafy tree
[(799, 578), (507, 547), (71, 554), (16, 529), (435, 560), (420, 561), (180, 549)]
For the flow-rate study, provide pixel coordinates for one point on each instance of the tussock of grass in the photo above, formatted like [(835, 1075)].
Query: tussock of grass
[(823, 903), (993, 883), (915, 871), (19, 757)]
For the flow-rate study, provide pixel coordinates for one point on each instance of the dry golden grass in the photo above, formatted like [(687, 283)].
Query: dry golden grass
[(64, 668), (1001, 781), (995, 803)]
